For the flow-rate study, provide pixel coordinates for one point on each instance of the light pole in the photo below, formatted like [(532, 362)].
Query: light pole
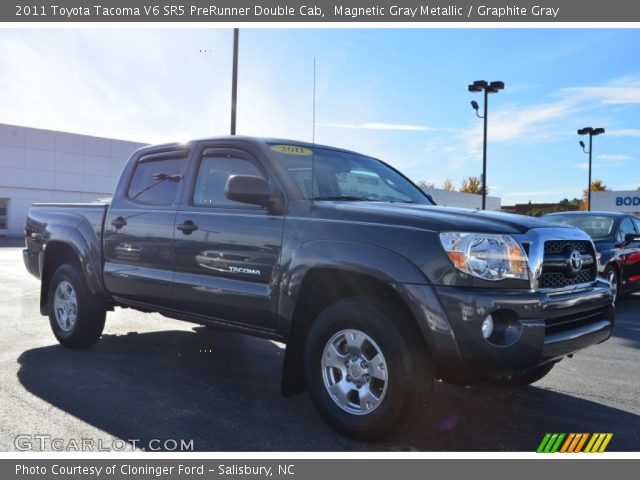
[(234, 80), (592, 132), (493, 87)]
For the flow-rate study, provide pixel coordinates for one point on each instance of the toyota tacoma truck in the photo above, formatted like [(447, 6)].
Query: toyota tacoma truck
[(376, 291)]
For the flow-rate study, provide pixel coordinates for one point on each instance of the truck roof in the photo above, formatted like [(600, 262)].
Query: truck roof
[(261, 141)]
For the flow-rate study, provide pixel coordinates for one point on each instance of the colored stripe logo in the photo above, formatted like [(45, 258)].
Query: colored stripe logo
[(574, 443)]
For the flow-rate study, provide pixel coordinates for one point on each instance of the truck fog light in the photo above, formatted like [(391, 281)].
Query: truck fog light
[(487, 326)]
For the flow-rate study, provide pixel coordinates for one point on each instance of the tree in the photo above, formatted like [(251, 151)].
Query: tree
[(472, 185), (448, 185), (596, 186), (424, 184)]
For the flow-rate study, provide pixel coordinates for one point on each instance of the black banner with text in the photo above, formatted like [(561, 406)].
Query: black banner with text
[(320, 11)]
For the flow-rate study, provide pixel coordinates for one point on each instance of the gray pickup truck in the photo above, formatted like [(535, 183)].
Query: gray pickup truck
[(376, 291)]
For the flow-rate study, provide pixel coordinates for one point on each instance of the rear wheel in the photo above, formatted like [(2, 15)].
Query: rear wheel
[(525, 378), (76, 317), (365, 369)]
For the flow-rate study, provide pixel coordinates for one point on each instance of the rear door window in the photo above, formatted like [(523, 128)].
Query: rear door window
[(156, 180)]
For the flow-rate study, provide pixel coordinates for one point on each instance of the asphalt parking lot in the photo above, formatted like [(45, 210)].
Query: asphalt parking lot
[(152, 378)]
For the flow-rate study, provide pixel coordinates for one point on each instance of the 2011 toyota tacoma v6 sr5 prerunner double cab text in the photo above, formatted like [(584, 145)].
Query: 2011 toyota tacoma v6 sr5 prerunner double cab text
[(376, 291)]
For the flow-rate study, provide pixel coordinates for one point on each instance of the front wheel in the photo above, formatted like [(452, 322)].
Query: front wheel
[(611, 274), (76, 317), (365, 368)]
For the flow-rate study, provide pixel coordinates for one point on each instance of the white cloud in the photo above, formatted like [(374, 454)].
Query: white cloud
[(614, 159), (532, 122), (610, 157), (624, 90), (608, 95), (540, 122), (624, 132), (526, 123), (382, 126)]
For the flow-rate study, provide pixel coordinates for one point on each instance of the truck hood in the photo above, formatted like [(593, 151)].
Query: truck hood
[(430, 217)]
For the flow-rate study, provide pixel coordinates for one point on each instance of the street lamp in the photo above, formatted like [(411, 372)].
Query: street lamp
[(487, 88), (592, 132)]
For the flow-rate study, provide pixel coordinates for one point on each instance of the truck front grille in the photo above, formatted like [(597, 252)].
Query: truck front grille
[(567, 263), (553, 247), (569, 322)]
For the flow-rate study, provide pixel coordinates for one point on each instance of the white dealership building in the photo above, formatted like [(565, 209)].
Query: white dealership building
[(627, 201), (451, 198), (48, 166)]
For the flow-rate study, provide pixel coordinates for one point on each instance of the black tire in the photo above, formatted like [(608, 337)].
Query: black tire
[(525, 378), (90, 313), (611, 274), (410, 374)]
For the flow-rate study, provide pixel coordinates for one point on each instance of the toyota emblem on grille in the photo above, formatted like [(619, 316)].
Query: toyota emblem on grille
[(575, 261)]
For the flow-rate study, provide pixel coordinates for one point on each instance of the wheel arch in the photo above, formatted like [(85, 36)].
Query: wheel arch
[(70, 247), (320, 287), (614, 264)]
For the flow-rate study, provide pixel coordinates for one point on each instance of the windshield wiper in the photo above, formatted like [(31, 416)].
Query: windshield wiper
[(351, 198)]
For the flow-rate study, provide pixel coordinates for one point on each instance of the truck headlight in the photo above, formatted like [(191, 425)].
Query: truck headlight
[(485, 255)]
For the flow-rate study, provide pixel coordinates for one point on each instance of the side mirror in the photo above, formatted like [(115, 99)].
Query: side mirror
[(631, 238), (430, 197), (248, 189)]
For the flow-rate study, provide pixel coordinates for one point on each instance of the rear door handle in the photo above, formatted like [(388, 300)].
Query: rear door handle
[(187, 227), (119, 223)]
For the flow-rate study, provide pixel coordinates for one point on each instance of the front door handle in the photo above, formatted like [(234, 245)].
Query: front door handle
[(187, 227), (119, 223)]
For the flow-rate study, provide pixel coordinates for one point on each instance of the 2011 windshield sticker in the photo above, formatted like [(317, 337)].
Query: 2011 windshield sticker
[(291, 150)]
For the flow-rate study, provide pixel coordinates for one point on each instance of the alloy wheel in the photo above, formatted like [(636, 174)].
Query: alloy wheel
[(354, 371)]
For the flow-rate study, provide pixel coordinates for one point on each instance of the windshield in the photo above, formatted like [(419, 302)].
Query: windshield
[(597, 226), (345, 176)]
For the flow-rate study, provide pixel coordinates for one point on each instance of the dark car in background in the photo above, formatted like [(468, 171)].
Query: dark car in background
[(617, 240)]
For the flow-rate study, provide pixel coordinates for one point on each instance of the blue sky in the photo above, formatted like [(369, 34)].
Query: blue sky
[(400, 95)]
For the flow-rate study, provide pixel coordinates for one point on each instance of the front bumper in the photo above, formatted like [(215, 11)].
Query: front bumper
[(544, 326)]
